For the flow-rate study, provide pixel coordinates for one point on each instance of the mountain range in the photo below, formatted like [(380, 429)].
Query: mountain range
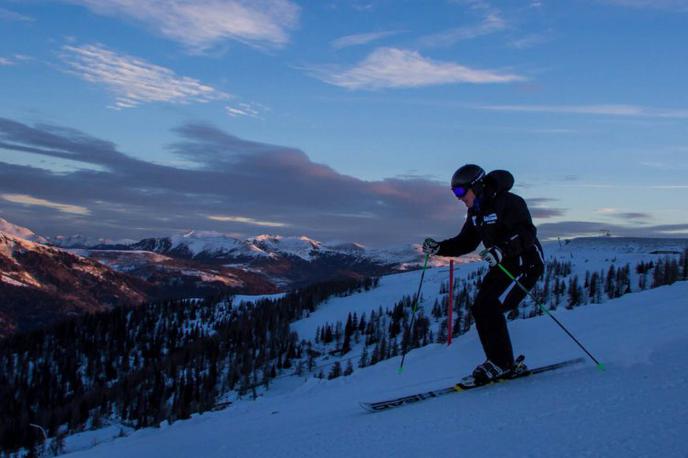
[(44, 279)]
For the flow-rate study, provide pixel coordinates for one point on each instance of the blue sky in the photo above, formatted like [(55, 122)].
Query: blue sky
[(340, 119)]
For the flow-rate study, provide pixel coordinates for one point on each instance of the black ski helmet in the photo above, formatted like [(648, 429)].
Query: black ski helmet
[(467, 177)]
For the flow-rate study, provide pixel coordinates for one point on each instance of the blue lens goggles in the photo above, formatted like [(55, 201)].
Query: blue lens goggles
[(460, 191)]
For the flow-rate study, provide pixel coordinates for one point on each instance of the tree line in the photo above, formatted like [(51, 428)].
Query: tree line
[(148, 364), (387, 333)]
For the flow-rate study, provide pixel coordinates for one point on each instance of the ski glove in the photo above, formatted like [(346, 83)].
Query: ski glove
[(431, 246), (492, 256)]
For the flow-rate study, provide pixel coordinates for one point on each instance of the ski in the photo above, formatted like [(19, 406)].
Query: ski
[(464, 385)]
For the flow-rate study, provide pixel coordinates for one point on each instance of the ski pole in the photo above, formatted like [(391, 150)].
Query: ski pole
[(415, 306), (535, 299)]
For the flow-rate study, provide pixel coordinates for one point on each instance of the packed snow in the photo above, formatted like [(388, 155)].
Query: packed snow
[(636, 407)]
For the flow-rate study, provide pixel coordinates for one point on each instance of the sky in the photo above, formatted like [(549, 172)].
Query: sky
[(340, 120)]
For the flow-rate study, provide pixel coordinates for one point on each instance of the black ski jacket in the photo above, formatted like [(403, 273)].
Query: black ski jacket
[(498, 218)]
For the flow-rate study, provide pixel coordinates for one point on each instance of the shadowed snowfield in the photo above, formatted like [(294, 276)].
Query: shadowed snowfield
[(636, 408)]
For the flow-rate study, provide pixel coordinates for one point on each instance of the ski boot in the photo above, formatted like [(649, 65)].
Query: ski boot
[(518, 369), (488, 372)]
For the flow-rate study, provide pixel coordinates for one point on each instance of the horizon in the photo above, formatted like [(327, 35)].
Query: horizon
[(341, 120), (333, 242)]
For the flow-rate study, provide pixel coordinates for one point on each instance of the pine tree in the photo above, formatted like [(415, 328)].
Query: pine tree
[(574, 293), (335, 371), (349, 368), (442, 332), (557, 295), (363, 362), (348, 331), (436, 310), (610, 286), (593, 287), (623, 281), (658, 278)]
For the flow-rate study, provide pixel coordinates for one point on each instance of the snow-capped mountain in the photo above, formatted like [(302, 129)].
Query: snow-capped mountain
[(40, 284), (196, 264), (210, 245), (284, 262), (81, 241), (20, 232)]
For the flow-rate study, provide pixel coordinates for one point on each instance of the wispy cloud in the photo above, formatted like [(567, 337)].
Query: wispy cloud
[(668, 5), (201, 24), (134, 81), (568, 229), (246, 220), (25, 199), (14, 60), (244, 109), (606, 110), (360, 39), (493, 22), (9, 15), (623, 215), (615, 186), (401, 68), (540, 208), (528, 41), (672, 165)]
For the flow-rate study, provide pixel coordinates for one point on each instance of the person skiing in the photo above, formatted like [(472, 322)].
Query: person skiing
[(502, 222)]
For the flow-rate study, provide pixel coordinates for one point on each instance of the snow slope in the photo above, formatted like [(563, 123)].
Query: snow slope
[(20, 232), (636, 408)]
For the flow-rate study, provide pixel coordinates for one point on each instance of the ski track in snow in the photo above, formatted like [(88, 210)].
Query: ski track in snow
[(637, 407)]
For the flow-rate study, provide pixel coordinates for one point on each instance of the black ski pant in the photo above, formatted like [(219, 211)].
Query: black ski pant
[(498, 294)]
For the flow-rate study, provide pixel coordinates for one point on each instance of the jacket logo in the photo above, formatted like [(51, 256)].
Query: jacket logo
[(490, 219)]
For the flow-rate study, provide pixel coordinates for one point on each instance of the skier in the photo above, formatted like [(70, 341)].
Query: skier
[(501, 221)]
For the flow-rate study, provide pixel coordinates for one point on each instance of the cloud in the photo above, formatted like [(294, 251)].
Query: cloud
[(528, 41), (9, 15), (400, 68), (570, 229), (24, 199), (245, 110), (680, 6), (624, 215), (201, 24), (134, 81), (539, 209), (667, 165), (493, 22), (604, 110), (245, 220), (236, 185), (14, 60), (360, 39)]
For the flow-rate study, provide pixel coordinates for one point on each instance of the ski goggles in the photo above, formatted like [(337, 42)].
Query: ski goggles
[(460, 191)]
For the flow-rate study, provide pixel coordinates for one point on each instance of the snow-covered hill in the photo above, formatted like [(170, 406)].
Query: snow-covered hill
[(40, 284), (637, 407), (20, 232)]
